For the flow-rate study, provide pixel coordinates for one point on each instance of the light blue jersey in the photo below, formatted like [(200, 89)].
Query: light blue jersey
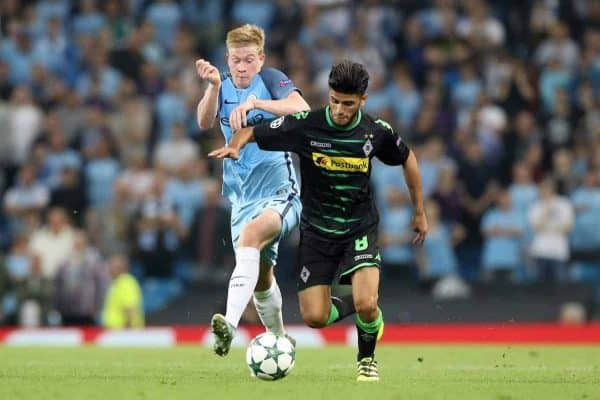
[(257, 174), (258, 180)]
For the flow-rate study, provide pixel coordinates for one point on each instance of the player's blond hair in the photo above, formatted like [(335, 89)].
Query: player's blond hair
[(246, 35)]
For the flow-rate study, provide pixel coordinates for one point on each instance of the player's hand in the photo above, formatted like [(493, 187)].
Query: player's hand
[(225, 152), (207, 71), (420, 226), (237, 118)]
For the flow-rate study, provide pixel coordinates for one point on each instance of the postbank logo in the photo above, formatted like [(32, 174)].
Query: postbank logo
[(347, 164)]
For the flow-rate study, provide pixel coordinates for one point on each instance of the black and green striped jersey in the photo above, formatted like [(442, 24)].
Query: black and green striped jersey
[(335, 165)]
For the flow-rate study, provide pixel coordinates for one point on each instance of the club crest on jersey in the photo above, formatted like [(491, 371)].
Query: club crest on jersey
[(276, 123), (368, 147), (347, 164)]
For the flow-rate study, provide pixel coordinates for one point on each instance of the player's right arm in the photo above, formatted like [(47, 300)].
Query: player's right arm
[(241, 138), (208, 106), (281, 134)]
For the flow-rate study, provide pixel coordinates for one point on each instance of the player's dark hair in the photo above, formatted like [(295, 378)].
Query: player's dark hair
[(349, 78)]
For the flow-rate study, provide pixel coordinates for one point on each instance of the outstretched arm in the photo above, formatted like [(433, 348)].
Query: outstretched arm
[(289, 105), (241, 138), (413, 181)]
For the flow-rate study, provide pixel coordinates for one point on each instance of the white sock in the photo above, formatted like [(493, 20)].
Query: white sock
[(268, 305), (242, 283)]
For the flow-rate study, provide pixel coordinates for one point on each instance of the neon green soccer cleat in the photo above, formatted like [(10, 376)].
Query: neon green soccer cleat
[(367, 370)]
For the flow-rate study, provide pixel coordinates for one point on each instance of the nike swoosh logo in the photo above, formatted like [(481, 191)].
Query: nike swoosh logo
[(230, 102)]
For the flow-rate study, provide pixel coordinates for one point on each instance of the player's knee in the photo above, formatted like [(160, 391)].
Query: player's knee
[(258, 234), (366, 307), (315, 319)]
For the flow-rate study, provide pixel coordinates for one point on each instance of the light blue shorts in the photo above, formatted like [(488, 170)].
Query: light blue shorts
[(289, 209)]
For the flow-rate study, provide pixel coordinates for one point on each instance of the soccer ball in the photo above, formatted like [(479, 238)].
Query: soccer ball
[(270, 357)]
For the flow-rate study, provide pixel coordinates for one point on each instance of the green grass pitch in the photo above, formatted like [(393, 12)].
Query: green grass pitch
[(407, 372)]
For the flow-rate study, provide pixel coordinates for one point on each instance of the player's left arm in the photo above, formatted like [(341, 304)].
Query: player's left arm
[(286, 100), (393, 151), (413, 181)]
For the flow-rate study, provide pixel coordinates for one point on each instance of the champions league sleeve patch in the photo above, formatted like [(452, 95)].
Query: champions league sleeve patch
[(285, 82), (276, 123)]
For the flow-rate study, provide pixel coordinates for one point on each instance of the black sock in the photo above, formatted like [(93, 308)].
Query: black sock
[(344, 305), (367, 335), (366, 343)]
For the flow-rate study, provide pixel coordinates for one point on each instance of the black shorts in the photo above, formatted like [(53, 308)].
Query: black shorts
[(321, 259)]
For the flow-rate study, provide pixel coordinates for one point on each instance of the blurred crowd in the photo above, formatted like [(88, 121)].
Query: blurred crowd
[(101, 154)]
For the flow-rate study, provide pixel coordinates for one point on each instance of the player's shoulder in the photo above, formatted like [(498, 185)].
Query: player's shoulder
[(378, 125), (273, 76), (271, 72)]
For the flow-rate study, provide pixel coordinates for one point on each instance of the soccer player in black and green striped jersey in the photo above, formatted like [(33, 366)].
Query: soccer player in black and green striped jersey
[(339, 219)]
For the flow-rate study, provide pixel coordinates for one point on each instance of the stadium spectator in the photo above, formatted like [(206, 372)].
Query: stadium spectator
[(158, 232), (559, 46), (479, 191), (437, 259), (123, 303), (165, 16), (34, 297), (70, 194), (479, 27), (137, 178), (209, 237), (503, 229), (60, 157), (186, 190), (101, 170), (585, 237), (175, 151), (523, 190), (170, 107), (80, 284), (52, 244), (26, 197), (395, 231), (14, 270), (111, 228), (448, 195), (552, 219), (24, 122)]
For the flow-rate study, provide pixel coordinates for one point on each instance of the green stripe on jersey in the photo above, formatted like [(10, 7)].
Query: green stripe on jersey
[(331, 151), (336, 174), (347, 140), (334, 206), (346, 187), (334, 231), (329, 139), (341, 220)]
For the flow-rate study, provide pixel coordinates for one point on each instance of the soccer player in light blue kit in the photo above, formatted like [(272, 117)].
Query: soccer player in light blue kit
[(261, 185)]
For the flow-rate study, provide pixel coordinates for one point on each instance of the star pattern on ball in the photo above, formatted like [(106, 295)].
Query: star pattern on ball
[(274, 353)]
